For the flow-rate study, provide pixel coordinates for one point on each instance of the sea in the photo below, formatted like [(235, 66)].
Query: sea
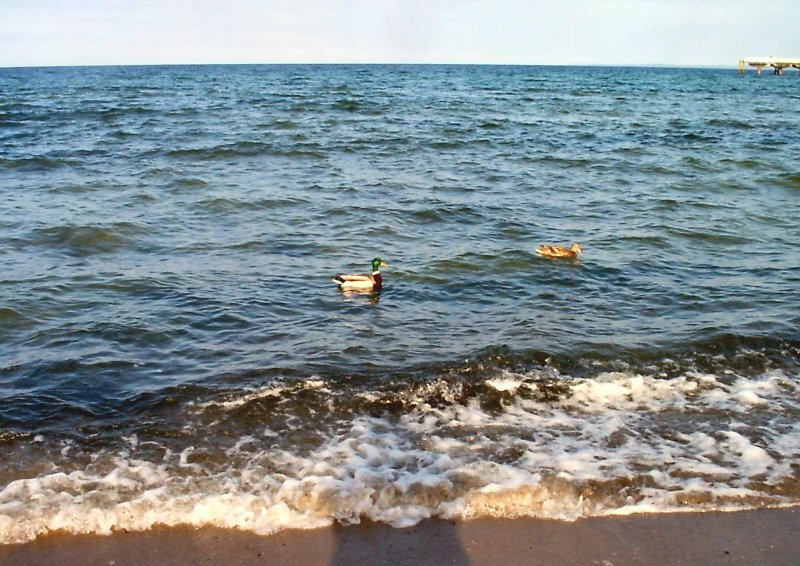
[(173, 350)]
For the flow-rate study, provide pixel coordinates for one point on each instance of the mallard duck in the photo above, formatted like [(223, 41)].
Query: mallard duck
[(363, 282), (560, 251)]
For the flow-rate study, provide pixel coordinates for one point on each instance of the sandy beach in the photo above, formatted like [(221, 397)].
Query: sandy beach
[(767, 536)]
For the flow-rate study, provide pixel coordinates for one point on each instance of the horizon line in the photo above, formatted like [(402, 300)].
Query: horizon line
[(377, 64)]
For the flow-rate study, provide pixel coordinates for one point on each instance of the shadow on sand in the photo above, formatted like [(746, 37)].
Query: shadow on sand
[(434, 542)]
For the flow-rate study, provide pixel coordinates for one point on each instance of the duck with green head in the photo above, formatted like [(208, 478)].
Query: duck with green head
[(363, 282)]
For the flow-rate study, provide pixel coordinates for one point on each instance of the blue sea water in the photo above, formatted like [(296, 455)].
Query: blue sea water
[(173, 350)]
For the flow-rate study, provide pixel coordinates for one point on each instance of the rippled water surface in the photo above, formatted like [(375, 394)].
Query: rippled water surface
[(172, 348)]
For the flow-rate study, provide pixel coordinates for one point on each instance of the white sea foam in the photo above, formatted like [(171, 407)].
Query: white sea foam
[(504, 384), (600, 449), (276, 389)]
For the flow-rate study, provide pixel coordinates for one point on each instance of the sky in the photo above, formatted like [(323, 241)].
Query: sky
[(694, 33)]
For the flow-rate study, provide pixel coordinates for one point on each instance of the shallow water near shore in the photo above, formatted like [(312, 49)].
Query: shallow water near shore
[(174, 351)]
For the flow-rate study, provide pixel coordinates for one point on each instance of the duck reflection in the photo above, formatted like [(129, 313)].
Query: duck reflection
[(371, 297)]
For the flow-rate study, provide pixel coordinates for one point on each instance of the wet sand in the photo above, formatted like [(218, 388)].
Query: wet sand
[(767, 536)]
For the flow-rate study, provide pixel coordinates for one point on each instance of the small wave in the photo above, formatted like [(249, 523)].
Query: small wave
[(721, 238), (115, 114), (89, 240), (10, 316), (225, 205), (369, 107), (243, 149), (12, 321), (563, 161), (123, 134), (449, 144), (652, 240), (790, 181), (285, 125), (41, 163), (20, 108), (189, 183), (455, 213), (347, 105), (732, 123), (748, 164), (9, 121)]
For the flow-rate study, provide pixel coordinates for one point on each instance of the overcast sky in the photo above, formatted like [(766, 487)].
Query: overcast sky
[(562, 32)]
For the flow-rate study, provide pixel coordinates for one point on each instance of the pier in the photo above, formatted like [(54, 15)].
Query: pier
[(778, 64)]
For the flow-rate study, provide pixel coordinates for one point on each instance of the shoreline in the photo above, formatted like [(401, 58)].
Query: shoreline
[(767, 536)]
